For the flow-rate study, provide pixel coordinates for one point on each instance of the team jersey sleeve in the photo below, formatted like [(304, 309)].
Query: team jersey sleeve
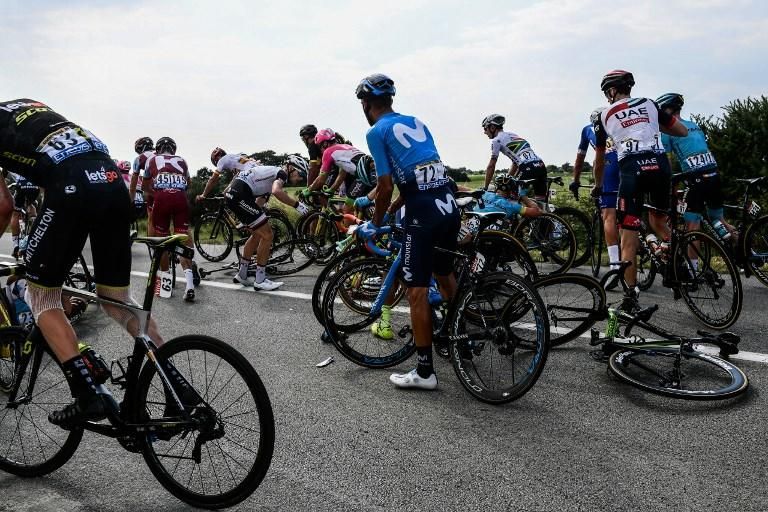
[(314, 153), (495, 148), (665, 119), (135, 166), (600, 136), (226, 162), (584, 142), (327, 161), (378, 149), (282, 176)]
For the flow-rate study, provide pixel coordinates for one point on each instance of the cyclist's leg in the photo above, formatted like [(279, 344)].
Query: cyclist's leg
[(610, 226), (241, 202), (656, 185), (181, 227), (162, 211), (628, 215)]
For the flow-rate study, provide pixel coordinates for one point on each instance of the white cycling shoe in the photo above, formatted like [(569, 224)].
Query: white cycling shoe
[(413, 380), (248, 281), (267, 285)]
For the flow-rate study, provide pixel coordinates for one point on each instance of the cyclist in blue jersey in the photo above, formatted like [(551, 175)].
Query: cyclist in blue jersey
[(694, 156), (505, 199), (404, 154), (609, 192)]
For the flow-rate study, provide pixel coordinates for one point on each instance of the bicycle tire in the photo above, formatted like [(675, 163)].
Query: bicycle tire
[(282, 231), (582, 232), (573, 302), (11, 338), (703, 289), (291, 256), (26, 428), (192, 357), (549, 241), (596, 248), (505, 253), (755, 248), (475, 341), (646, 267), (323, 232), (347, 327), (648, 369), (327, 273), (213, 237)]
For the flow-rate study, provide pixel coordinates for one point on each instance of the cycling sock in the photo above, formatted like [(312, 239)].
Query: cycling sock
[(613, 255), (386, 315), (261, 274), (424, 362), (243, 272), (188, 276), (78, 376)]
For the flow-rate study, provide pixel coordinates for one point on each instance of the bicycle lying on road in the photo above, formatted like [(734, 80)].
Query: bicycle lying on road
[(196, 409)]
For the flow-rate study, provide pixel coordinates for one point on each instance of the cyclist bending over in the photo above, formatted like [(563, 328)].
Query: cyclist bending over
[(405, 154), (246, 196), (23, 201)]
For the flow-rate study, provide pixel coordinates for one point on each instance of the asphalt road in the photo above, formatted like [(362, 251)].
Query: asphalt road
[(348, 441)]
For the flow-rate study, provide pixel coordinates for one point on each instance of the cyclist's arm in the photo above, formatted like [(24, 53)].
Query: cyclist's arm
[(281, 195), (489, 170), (6, 207), (396, 205), (314, 170), (383, 198), (148, 189), (578, 165), (670, 125), (339, 180), (599, 165), (212, 181)]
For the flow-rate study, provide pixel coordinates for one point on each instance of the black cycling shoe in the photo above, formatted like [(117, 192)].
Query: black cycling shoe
[(195, 274), (90, 407), (189, 295), (630, 304)]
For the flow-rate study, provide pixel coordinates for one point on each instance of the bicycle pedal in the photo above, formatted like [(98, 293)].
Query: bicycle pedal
[(599, 356)]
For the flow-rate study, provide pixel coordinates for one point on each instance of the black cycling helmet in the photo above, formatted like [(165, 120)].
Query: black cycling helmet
[(216, 155), (671, 100), (166, 145), (143, 144), (375, 85), (505, 182), (493, 119), (308, 130), (617, 78)]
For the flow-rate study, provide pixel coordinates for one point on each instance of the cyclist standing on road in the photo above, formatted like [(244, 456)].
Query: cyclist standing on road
[(609, 192), (526, 165), (405, 154), (164, 183), (145, 149), (246, 196), (84, 198), (634, 125), (693, 154)]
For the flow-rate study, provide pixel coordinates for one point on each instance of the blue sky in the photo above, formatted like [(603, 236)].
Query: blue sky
[(247, 75)]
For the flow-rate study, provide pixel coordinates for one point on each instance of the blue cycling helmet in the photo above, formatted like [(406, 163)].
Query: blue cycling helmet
[(671, 100), (375, 85)]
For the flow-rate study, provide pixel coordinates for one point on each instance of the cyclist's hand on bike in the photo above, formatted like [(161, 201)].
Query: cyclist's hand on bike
[(366, 230), (305, 193), (574, 188), (363, 202), (328, 190), (302, 208), (596, 191), (199, 198)]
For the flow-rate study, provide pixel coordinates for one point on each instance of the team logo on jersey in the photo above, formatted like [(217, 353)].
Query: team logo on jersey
[(19, 158), (447, 207), (10, 107), (102, 176), (417, 134)]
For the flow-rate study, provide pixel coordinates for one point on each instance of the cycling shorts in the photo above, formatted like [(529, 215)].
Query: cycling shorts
[(534, 171), (608, 199), (243, 204), (642, 175), (87, 200), (357, 189), (170, 205), (431, 220), (704, 190), (25, 197)]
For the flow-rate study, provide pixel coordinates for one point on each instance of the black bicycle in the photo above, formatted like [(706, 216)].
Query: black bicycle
[(194, 407)]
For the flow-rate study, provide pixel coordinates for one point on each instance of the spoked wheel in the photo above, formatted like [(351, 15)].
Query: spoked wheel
[(574, 302), (213, 237), (346, 312), (323, 232), (646, 266), (223, 460), (708, 280), (282, 232), (499, 338), (327, 274), (29, 444), (597, 246), (506, 253), (291, 256), (698, 377), (550, 242), (582, 231), (756, 249)]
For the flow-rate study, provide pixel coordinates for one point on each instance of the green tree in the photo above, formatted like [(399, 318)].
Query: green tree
[(566, 168), (459, 174)]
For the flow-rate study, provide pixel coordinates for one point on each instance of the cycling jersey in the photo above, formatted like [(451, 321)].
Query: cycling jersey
[(611, 170), (169, 176), (22, 183), (633, 125), (692, 150), (167, 172), (344, 156), (259, 178), (140, 163), (34, 139), (496, 203), (514, 147)]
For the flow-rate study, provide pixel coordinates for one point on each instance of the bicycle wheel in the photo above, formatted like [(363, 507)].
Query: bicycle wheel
[(326, 275), (80, 277), (598, 240), (291, 256), (221, 461), (11, 340), (323, 232), (504, 252), (213, 237), (756, 248), (699, 376), (646, 266), (499, 350), (282, 229), (29, 444), (582, 231), (347, 304), (550, 242), (707, 280), (573, 302)]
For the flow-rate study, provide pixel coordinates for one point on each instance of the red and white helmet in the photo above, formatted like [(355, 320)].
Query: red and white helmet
[(123, 165), (324, 135)]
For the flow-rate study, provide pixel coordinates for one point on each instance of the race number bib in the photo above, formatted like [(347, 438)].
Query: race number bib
[(525, 156), (700, 160), (166, 284), (169, 180), (754, 209), (430, 175), (682, 207), (70, 141)]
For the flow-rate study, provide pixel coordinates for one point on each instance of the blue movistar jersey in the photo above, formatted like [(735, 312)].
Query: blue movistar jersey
[(401, 146), (496, 203), (691, 151), (611, 171)]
